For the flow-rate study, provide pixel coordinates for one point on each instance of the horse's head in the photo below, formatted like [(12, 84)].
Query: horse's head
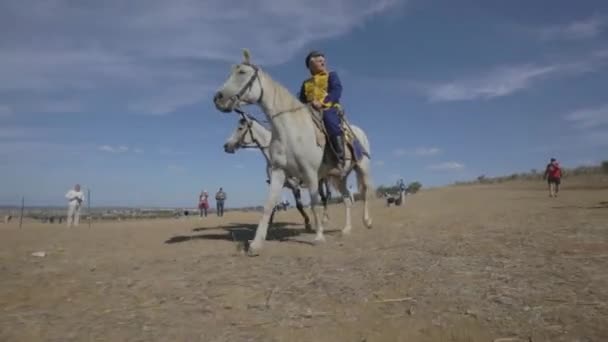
[(243, 86), (240, 136), (247, 134)]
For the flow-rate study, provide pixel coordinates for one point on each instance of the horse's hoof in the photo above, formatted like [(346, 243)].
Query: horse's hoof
[(319, 239), (368, 223), (346, 230), (254, 248), (325, 219)]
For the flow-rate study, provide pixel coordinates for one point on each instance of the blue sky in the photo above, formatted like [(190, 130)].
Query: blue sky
[(117, 97)]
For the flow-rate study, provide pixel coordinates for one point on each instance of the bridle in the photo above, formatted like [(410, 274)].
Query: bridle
[(248, 130), (236, 98)]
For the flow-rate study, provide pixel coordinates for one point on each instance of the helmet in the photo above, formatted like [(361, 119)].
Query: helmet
[(312, 54)]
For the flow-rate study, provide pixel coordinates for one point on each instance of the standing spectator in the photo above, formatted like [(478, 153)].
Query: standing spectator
[(553, 175), (220, 197), (402, 190), (203, 203), (75, 198), (401, 185)]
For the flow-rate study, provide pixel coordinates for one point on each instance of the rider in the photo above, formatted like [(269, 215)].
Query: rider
[(322, 91)]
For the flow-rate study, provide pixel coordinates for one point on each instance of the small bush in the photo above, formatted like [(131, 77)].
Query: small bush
[(413, 187)]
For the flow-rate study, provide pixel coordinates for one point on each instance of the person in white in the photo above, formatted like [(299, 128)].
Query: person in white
[(352, 193), (75, 199)]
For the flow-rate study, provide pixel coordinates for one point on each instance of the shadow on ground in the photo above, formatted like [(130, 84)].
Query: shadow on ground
[(241, 232), (600, 205)]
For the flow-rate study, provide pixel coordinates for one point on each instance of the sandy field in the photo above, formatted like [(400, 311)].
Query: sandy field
[(474, 263)]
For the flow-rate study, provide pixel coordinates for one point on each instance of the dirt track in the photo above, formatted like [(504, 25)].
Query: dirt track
[(455, 264)]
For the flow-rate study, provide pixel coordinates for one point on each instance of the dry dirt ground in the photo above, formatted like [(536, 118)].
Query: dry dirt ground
[(472, 263)]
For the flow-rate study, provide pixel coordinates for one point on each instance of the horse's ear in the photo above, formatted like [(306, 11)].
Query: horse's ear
[(246, 56)]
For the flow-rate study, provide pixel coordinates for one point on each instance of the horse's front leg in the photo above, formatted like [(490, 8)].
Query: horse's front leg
[(346, 196), (297, 195), (315, 199), (277, 180)]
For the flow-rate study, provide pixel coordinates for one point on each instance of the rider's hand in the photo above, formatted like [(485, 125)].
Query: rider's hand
[(317, 105)]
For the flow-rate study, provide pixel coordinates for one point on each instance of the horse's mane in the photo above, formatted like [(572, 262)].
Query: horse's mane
[(283, 97)]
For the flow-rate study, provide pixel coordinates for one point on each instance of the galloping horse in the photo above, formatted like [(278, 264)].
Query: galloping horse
[(250, 133), (295, 147)]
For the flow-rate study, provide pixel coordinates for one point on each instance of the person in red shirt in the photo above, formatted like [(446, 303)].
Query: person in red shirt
[(203, 203), (553, 175)]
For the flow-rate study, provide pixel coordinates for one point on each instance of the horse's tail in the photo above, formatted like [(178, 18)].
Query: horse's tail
[(362, 138)]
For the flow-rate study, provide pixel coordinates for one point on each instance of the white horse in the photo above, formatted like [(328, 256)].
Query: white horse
[(293, 146), (249, 133)]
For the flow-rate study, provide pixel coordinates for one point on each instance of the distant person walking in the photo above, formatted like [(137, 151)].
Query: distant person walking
[(75, 199), (203, 203), (553, 175), (220, 198)]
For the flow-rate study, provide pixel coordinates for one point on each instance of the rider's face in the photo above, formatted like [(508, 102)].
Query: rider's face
[(317, 64)]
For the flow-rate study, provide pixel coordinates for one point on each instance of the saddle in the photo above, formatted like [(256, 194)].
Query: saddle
[(353, 149)]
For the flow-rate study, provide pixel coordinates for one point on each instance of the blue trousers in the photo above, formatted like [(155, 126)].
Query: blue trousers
[(331, 120)]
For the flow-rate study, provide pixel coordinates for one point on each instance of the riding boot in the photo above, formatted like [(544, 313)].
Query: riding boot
[(338, 145)]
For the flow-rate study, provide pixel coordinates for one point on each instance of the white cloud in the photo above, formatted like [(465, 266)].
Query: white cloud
[(53, 106), (506, 80), (418, 151), (138, 150), (589, 117), (154, 56), (239, 166), (582, 29), (170, 99), (447, 166), (495, 83), (111, 149)]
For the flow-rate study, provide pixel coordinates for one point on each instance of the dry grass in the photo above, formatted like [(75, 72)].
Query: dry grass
[(456, 264)]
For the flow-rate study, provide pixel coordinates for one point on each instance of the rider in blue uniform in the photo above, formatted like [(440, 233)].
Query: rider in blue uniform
[(323, 91)]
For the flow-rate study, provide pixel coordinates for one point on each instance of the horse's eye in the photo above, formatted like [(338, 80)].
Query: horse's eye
[(242, 72)]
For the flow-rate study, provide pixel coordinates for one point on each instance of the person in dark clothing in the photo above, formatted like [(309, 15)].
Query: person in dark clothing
[(220, 198)]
